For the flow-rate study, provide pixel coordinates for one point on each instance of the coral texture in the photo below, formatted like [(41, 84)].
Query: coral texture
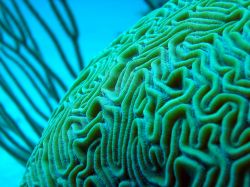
[(167, 104)]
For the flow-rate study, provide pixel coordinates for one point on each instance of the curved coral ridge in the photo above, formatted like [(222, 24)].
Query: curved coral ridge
[(167, 104)]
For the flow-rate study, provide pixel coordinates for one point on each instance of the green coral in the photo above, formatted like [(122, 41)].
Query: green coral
[(167, 104)]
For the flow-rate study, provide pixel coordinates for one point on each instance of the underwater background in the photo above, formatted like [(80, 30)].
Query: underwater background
[(98, 22), (167, 103)]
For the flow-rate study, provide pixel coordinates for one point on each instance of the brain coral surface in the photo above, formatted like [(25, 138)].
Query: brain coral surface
[(167, 104)]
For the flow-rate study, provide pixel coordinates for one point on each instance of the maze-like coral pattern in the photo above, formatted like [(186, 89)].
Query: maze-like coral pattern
[(167, 104)]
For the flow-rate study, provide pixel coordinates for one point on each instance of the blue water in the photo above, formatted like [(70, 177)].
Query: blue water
[(99, 22)]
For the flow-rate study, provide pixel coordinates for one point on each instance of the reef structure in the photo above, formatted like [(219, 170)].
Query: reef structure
[(167, 104)]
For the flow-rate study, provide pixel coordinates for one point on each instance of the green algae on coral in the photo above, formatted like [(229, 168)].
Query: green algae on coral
[(167, 104)]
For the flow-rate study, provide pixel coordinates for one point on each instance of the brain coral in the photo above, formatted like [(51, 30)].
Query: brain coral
[(167, 104)]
